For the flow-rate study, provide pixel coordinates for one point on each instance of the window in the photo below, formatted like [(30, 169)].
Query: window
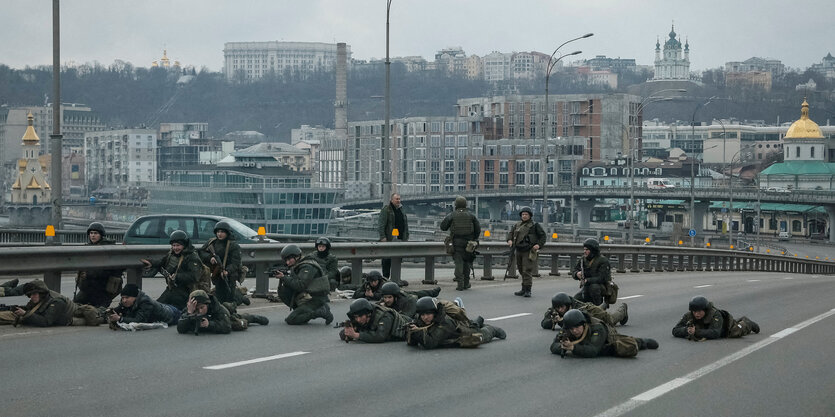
[(797, 152), (520, 166), (796, 224), (811, 152)]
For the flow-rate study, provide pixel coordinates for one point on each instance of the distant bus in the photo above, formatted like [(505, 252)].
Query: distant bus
[(660, 184)]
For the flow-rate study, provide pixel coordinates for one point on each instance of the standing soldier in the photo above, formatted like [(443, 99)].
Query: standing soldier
[(588, 337), (304, 288), (593, 272), (705, 322), (392, 217), (526, 238), (223, 256), (97, 287), (327, 261), (434, 328), (464, 231), (181, 268), (562, 302), (373, 323)]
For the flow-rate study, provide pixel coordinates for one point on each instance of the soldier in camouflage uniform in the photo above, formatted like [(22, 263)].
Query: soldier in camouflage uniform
[(587, 337), (373, 323), (562, 302), (305, 289), (97, 287), (184, 266), (371, 286), (526, 237), (434, 328), (327, 261), (594, 273), (224, 253), (204, 314), (463, 228), (404, 302), (705, 322), (47, 308)]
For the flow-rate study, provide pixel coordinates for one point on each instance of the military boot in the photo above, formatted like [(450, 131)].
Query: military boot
[(619, 316), (520, 292), (467, 282), (528, 291), (325, 313), (434, 292), (460, 286), (254, 318), (10, 283)]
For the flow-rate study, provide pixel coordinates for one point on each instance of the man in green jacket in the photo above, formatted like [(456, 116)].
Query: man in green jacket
[(45, 308), (97, 286), (434, 328), (183, 267), (587, 337), (392, 226), (327, 261), (304, 289), (526, 238), (404, 302), (373, 323), (204, 314), (223, 256), (594, 273), (562, 302), (705, 322), (463, 228)]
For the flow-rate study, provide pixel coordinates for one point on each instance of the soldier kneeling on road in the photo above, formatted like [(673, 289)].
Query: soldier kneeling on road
[(373, 323), (587, 337), (441, 323), (46, 307), (205, 314), (562, 302), (704, 321)]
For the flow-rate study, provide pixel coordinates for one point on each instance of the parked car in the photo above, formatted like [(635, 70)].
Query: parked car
[(777, 190), (155, 229), (784, 235), (660, 184)]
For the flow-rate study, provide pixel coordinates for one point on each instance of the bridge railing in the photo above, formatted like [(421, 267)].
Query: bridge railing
[(52, 261)]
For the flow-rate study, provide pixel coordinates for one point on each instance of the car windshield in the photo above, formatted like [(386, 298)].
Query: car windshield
[(241, 229)]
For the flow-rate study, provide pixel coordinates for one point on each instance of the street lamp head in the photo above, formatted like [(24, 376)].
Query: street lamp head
[(587, 35), (574, 53)]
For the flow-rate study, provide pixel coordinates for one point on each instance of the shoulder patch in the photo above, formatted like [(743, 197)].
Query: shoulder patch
[(595, 333)]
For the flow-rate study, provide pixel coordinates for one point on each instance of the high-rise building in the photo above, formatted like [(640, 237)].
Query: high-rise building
[(253, 60), (120, 158)]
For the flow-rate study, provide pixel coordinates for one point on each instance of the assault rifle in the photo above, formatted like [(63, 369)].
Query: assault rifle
[(510, 259), (344, 324), (198, 318), (169, 278), (11, 307), (272, 270), (217, 269), (562, 337), (112, 324)]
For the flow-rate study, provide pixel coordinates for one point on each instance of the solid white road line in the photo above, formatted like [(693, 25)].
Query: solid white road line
[(508, 317), (631, 296), (703, 286), (753, 280), (668, 386), (256, 360)]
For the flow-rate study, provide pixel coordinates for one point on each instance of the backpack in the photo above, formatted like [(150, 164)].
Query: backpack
[(625, 346), (730, 326), (454, 312)]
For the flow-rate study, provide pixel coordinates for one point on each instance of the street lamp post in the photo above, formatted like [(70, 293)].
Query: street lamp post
[(387, 144), (544, 169), (692, 161), (56, 138)]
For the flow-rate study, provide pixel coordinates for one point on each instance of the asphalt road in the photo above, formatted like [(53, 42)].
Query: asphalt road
[(96, 372)]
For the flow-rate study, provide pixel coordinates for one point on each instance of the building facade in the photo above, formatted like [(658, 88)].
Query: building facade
[(755, 64), (122, 158), (674, 62), (253, 60)]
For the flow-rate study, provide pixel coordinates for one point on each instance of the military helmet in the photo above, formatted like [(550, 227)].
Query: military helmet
[(374, 276), (96, 226), (390, 288), (592, 244), (560, 299), (34, 286), (345, 271), (200, 296), (290, 250), (223, 225), (426, 305), (359, 307), (179, 236), (460, 202), (573, 318), (323, 241), (698, 303), (526, 209)]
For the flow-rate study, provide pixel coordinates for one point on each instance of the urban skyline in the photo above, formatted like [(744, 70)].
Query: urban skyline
[(621, 30)]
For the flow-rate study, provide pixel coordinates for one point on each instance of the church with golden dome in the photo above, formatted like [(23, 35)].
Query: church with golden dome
[(31, 195)]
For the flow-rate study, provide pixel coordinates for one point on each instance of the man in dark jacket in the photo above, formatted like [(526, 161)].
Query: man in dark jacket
[(97, 287), (404, 302), (223, 256), (371, 286), (305, 288), (434, 328), (705, 322), (184, 268), (45, 308), (593, 272), (204, 314), (392, 226), (373, 323), (526, 238), (137, 307), (562, 302), (587, 337), (327, 261), (463, 228)]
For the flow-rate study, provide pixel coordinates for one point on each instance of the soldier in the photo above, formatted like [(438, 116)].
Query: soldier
[(304, 289), (327, 261), (372, 284), (593, 272), (97, 287), (223, 256), (704, 322), (433, 327), (526, 238), (345, 278), (562, 302), (464, 231), (47, 308), (137, 307), (392, 217), (587, 337), (182, 269), (392, 296), (372, 323), (204, 315)]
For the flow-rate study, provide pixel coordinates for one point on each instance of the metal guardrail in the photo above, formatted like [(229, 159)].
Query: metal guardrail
[(25, 237), (51, 261)]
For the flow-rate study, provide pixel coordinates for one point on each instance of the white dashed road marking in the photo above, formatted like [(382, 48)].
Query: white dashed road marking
[(508, 317), (703, 286), (753, 280), (631, 296), (256, 360)]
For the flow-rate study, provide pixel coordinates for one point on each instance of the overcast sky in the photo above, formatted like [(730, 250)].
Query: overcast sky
[(194, 31)]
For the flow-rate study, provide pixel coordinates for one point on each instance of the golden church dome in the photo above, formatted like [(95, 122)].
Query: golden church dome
[(804, 128)]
